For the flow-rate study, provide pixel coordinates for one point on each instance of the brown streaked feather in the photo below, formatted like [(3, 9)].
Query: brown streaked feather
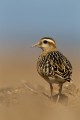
[(54, 64)]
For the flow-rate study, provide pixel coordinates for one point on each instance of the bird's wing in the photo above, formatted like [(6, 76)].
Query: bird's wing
[(60, 65)]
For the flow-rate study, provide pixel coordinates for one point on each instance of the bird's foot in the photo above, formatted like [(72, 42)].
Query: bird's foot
[(58, 98)]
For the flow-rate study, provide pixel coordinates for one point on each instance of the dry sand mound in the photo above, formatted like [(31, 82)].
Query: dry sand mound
[(29, 102)]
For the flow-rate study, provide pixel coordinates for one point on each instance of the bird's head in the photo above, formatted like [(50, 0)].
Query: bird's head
[(46, 44)]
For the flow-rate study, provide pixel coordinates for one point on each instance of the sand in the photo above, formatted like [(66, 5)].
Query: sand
[(24, 95)]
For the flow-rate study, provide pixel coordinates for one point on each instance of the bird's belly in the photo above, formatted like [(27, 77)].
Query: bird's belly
[(49, 79), (56, 80)]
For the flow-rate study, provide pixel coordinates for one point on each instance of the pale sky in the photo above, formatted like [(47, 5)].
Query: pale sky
[(31, 19)]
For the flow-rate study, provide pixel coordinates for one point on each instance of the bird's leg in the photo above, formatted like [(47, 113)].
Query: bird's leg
[(59, 94), (51, 89)]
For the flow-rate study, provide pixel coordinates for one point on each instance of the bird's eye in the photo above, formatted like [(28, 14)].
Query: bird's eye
[(45, 41)]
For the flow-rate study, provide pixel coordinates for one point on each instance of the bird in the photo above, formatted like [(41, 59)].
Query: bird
[(52, 65)]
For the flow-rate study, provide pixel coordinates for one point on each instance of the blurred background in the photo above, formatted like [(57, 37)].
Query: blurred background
[(23, 23)]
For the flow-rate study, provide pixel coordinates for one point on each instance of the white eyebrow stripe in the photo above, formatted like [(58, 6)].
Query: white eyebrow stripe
[(50, 41)]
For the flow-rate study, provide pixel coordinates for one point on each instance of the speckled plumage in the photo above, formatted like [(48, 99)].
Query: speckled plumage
[(52, 65)]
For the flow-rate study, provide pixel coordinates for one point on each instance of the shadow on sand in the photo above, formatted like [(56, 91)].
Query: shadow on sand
[(63, 98)]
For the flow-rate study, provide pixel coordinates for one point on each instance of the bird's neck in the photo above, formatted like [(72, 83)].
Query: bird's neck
[(47, 50)]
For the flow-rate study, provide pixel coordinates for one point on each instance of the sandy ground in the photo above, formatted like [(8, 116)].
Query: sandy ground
[(27, 101), (24, 95)]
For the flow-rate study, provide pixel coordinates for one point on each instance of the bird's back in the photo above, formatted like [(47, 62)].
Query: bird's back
[(54, 64)]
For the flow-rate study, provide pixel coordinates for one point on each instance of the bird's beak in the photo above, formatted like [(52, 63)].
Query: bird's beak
[(36, 45)]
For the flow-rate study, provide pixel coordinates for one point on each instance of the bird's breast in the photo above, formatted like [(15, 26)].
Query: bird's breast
[(44, 66)]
